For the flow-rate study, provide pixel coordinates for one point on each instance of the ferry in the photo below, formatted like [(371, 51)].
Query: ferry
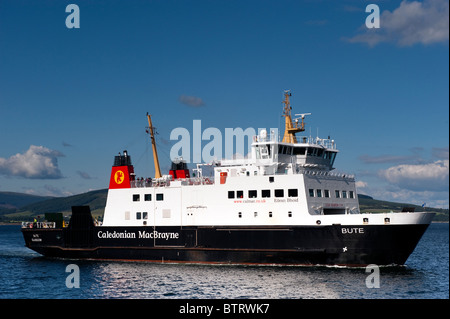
[(283, 205)]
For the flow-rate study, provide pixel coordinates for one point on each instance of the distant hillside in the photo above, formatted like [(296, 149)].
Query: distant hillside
[(368, 204), (97, 201), (10, 201)]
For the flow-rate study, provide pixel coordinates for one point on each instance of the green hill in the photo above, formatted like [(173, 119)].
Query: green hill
[(22, 207), (95, 199), (10, 201), (368, 204)]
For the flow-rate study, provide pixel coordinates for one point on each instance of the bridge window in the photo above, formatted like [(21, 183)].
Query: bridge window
[(136, 197), (252, 194), (230, 194), (319, 192), (159, 197), (327, 193), (320, 152), (147, 197), (311, 192), (338, 194), (283, 149), (332, 157), (299, 151), (138, 215), (344, 194), (352, 195), (240, 194), (312, 151)]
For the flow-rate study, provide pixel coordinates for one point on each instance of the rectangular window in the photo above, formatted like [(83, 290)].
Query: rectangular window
[(270, 214), (279, 193), (320, 152), (344, 194), (166, 213), (230, 194), (252, 194), (289, 214), (138, 215), (293, 192), (136, 198), (311, 192), (338, 194), (240, 194), (327, 193), (159, 197), (240, 215), (319, 192), (271, 179), (255, 214), (144, 215), (352, 195), (265, 193), (299, 151), (147, 197)]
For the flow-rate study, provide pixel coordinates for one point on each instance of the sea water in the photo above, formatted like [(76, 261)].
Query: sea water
[(26, 274)]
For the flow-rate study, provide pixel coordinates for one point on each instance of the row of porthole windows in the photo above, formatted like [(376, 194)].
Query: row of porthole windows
[(255, 214), (265, 193), (147, 197), (326, 193)]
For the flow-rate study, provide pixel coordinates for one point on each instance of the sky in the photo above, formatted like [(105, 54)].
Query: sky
[(71, 98)]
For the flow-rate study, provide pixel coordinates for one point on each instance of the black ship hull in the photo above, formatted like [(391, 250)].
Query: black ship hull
[(357, 245)]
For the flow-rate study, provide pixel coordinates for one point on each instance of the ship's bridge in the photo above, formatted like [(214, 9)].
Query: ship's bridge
[(308, 152), (274, 157)]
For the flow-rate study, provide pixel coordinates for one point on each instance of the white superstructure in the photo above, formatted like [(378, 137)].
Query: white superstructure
[(289, 182)]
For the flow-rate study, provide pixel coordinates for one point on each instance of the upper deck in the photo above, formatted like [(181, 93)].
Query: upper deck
[(311, 156)]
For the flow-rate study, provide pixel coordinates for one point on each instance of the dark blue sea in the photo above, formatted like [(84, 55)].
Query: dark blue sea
[(25, 274)]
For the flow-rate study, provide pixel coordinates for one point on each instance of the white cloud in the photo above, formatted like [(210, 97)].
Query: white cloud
[(192, 101), (420, 177), (367, 159), (395, 194), (412, 22), (84, 175), (38, 162), (361, 184)]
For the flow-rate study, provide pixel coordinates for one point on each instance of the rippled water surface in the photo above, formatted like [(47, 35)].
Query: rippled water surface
[(25, 274)]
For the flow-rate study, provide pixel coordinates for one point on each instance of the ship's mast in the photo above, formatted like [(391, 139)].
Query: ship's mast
[(290, 127), (155, 152)]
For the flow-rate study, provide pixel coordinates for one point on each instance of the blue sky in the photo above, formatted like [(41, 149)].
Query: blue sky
[(71, 99)]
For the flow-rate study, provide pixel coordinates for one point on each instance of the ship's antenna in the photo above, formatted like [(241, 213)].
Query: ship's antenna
[(290, 127), (155, 152)]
